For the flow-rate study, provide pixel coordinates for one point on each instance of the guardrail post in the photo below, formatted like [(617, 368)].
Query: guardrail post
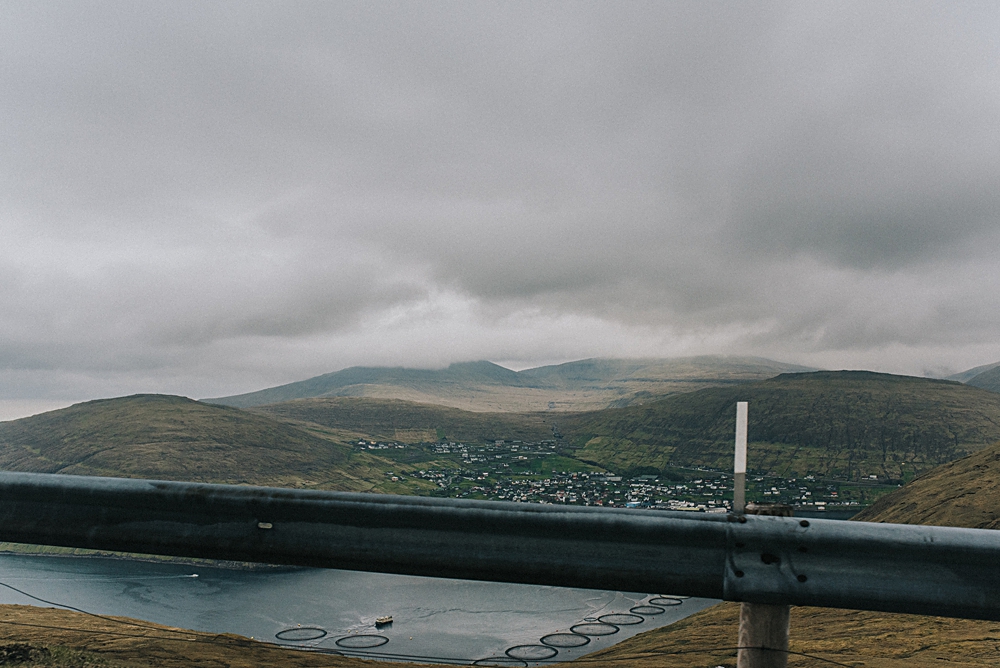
[(763, 636)]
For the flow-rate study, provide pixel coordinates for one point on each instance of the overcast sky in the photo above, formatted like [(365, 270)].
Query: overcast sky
[(206, 198)]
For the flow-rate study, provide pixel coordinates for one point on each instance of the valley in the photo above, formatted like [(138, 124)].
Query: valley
[(894, 448), (833, 440)]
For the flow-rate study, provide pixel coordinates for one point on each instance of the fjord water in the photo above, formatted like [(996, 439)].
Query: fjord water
[(453, 619)]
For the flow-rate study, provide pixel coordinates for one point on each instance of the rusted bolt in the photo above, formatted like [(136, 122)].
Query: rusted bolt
[(739, 574), (804, 523), (769, 558), (802, 578)]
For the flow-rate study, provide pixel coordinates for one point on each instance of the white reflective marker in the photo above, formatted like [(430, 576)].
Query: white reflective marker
[(740, 460), (740, 464)]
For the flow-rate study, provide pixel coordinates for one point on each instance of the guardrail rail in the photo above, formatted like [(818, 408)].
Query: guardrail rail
[(757, 559)]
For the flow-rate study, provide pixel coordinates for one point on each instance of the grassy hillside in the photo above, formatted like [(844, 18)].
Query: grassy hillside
[(483, 386), (601, 372), (358, 381), (410, 422), (964, 493), (988, 380), (836, 423), (964, 376), (174, 438)]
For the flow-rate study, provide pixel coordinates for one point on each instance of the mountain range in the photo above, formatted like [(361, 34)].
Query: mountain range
[(969, 374), (988, 380), (845, 424), (484, 386), (838, 423), (153, 435)]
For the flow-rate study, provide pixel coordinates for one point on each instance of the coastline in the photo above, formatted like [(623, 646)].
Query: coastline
[(29, 550)]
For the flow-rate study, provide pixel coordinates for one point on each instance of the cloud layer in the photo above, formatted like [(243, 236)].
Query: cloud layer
[(207, 198)]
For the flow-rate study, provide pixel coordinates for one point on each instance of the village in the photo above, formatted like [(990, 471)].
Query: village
[(542, 472)]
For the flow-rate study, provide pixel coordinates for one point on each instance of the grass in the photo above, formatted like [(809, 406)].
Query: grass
[(173, 438), (558, 463), (818, 637), (847, 425), (844, 425), (410, 422), (964, 493), (30, 656), (51, 637)]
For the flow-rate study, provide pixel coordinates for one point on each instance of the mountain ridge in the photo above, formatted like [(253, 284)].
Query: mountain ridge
[(964, 376), (484, 386), (987, 380), (846, 424), (176, 438)]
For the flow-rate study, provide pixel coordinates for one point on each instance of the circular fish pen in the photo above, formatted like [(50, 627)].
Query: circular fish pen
[(301, 634), (363, 641)]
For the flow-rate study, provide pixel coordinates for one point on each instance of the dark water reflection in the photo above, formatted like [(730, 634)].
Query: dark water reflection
[(453, 619)]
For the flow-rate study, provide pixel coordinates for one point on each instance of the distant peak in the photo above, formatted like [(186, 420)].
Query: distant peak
[(144, 397), (853, 374), (478, 364)]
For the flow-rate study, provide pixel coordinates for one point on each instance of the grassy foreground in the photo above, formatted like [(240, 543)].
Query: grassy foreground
[(51, 637), (962, 493), (819, 637)]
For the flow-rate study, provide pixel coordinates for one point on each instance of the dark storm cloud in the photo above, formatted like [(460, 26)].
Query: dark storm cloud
[(199, 196)]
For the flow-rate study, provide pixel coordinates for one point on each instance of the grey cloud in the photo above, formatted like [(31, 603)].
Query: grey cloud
[(187, 185), (887, 147)]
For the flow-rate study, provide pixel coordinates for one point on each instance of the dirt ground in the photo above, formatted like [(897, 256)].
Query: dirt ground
[(42, 636), (818, 637), (31, 636)]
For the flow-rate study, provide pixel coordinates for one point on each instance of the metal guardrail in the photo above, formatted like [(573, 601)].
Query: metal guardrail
[(778, 560)]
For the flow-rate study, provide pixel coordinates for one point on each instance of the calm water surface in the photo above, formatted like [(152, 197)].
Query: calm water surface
[(452, 619)]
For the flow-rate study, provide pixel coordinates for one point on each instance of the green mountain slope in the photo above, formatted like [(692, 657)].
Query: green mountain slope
[(599, 373), (409, 422), (359, 381), (966, 375), (988, 380), (846, 423), (484, 386), (962, 493), (174, 438)]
